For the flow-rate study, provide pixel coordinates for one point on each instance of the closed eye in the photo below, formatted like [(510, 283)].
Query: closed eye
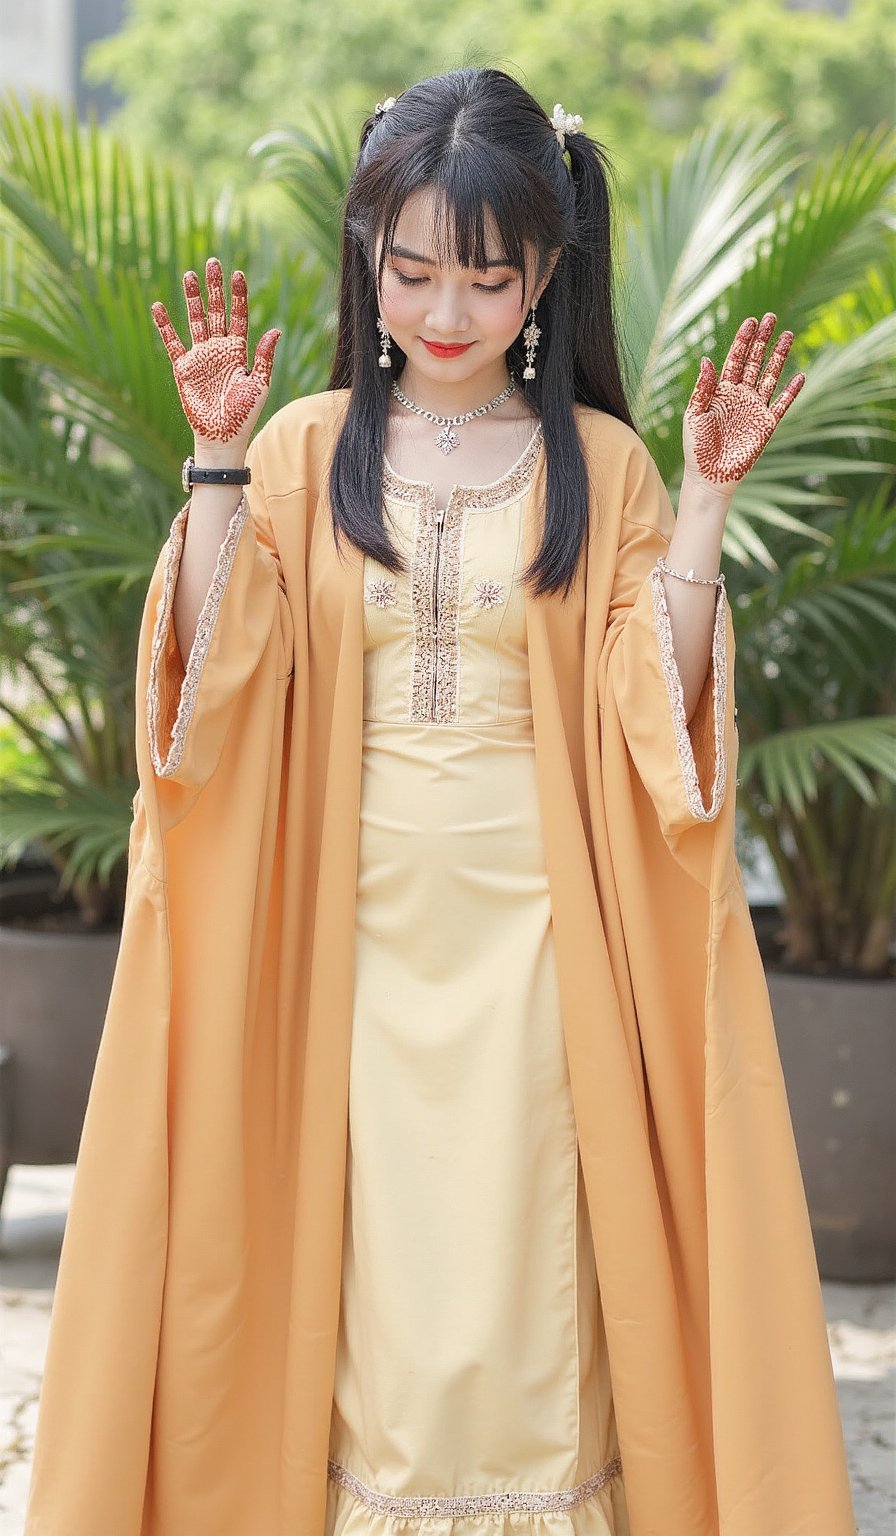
[(412, 282)]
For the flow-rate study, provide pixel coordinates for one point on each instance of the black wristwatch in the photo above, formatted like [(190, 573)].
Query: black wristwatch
[(190, 475)]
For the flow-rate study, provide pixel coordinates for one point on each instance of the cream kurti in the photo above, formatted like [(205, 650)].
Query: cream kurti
[(471, 1375)]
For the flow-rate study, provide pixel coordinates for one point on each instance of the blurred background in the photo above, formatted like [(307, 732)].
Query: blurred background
[(755, 160)]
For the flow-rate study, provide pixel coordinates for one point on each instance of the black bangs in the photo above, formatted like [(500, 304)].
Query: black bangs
[(501, 187), (466, 190)]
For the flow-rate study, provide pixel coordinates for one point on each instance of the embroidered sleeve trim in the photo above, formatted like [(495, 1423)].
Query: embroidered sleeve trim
[(168, 766), (719, 665)]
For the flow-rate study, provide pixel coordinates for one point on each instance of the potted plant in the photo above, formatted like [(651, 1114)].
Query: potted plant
[(810, 547), (93, 442), (817, 693)]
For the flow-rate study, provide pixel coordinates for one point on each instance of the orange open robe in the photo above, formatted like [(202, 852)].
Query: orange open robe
[(189, 1376)]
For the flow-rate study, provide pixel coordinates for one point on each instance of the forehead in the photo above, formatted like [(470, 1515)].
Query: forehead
[(424, 226)]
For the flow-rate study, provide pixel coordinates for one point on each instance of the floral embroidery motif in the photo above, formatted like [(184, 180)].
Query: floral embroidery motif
[(719, 663), (202, 640), (487, 593), (435, 577), (430, 1506), (381, 591)]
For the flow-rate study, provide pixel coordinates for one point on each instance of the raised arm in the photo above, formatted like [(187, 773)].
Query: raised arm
[(727, 424), (217, 600), (222, 402)]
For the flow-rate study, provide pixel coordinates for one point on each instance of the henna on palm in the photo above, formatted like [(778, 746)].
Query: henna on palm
[(731, 419), (217, 392)]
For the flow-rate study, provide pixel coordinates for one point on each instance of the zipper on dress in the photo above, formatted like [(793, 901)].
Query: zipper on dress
[(440, 518)]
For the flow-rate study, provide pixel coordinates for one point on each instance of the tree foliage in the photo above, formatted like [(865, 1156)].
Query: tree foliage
[(202, 80)]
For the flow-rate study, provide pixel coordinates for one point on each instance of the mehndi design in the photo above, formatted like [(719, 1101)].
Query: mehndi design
[(730, 420), (217, 392)]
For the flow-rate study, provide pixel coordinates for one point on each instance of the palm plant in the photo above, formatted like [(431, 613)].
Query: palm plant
[(816, 666), (811, 534), (313, 170), (93, 438), (740, 225)]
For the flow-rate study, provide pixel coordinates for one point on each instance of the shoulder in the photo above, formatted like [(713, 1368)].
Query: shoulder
[(625, 478), (293, 445), (602, 433), (614, 450)]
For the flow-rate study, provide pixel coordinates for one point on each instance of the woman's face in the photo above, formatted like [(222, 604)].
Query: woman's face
[(421, 301)]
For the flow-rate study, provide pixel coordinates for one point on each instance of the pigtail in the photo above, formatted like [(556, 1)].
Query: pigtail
[(597, 376), (578, 358), (355, 474), (357, 464)]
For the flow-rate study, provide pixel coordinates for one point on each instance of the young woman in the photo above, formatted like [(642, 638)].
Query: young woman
[(438, 1173)]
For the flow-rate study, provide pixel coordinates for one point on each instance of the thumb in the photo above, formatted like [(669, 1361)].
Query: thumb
[(264, 355)]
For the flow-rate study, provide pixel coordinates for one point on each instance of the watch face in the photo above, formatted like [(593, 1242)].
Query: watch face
[(187, 465)]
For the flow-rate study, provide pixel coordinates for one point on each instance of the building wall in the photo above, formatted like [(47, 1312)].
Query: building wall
[(94, 19), (42, 43), (37, 48)]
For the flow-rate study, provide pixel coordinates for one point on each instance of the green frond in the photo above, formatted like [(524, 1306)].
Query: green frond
[(685, 248), (101, 236), (721, 237), (90, 828), (313, 170), (817, 236), (787, 764)]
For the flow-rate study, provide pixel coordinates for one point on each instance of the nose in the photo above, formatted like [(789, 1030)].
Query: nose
[(446, 318)]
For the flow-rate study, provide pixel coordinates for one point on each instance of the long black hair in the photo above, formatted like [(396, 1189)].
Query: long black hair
[(480, 141)]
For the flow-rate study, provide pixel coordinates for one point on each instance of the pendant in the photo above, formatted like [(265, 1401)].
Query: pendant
[(447, 440)]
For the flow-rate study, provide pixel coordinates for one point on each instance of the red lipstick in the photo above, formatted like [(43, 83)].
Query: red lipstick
[(439, 350)]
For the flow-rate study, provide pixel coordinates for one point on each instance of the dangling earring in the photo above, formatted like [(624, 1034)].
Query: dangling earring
[(385, 359), (530, 336)]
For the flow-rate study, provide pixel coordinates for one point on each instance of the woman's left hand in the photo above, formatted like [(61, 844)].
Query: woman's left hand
[(728, 421)]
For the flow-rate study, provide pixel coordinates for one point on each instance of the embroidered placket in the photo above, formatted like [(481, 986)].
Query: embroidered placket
[(435, 579)]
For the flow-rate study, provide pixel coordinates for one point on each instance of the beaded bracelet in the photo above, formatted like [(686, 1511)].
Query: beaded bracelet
[(704, 581)]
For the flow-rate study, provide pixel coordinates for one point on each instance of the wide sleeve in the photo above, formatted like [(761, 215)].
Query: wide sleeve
[(684, 766), (190, 707)]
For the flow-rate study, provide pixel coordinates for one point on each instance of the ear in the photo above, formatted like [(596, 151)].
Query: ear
[(543, 282)]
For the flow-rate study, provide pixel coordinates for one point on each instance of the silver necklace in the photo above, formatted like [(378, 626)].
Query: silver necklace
[(448, 440)]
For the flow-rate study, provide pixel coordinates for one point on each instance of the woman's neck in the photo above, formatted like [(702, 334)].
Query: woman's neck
[(445, 398)]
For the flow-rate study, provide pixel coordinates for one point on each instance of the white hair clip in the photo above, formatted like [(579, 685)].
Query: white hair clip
[(564, 123), (383, 106)]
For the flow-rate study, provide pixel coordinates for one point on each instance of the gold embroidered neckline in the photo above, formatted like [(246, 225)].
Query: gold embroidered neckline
[(505, 488)]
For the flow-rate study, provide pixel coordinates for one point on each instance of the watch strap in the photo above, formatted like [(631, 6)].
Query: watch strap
[(191, 475)]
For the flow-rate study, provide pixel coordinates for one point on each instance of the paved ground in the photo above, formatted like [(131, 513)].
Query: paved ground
[(861, 1329)]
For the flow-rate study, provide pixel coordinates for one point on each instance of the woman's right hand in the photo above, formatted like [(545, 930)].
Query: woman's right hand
[(222, 401)]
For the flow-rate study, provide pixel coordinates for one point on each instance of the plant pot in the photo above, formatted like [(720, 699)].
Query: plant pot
[(837, 1042), (56, 988)]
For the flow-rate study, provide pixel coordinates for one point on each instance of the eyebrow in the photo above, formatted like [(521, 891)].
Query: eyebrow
[(402, 250)]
